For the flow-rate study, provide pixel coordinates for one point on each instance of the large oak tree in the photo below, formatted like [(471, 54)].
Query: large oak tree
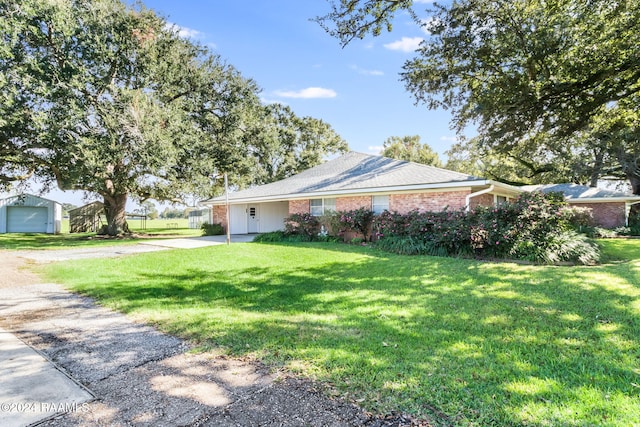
[(558, 77), (99, 96)]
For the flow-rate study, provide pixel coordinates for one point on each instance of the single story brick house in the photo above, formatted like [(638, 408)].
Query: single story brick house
[(357, 180), (352, 181)]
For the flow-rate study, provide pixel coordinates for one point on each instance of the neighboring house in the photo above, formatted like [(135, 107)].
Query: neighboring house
[(352, 181), (27, 213), (609, 208)]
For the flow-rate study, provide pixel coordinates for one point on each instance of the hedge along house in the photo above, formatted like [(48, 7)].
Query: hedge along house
[(26, 213), (353, 181), (610, 209)]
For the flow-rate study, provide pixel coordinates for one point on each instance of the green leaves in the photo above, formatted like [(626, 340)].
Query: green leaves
[(537, 78), (410, 149)]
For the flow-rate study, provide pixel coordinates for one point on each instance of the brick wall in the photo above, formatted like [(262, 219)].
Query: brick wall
[(220, 215), (482, 200), (432, 201), (299, 206), (607, 215), (352, 203)]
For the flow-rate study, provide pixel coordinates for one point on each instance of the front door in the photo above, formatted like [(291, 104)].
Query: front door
[(253, 219)]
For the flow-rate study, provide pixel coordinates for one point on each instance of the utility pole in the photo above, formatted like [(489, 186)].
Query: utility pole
[(226, 200)]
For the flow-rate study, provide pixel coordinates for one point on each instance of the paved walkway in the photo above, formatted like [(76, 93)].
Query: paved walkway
[(140, 376), (31, 387)]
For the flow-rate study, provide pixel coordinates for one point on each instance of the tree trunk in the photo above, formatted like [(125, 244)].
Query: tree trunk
[(114, 207)]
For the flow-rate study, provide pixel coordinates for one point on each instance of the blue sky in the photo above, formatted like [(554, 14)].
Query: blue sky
[(356, 89)]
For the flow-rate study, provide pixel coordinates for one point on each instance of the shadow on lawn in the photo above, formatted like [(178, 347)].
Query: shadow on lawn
[(456, 340)]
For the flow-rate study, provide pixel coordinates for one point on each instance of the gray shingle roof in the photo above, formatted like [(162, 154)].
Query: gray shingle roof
[(578, 192), (353, 171)]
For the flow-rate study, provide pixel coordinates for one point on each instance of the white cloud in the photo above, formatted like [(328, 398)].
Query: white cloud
[(375, 149), (185, 32), (406, 44), (366, 72), (308, 93)]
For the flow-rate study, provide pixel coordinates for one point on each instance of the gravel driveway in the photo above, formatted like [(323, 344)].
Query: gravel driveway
[(143, 377)]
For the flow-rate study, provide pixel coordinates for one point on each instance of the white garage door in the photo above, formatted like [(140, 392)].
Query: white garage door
[(26, 219)]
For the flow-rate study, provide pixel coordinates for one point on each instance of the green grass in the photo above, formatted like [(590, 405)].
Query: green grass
[(36, 241), (154, 229), (459, 341)]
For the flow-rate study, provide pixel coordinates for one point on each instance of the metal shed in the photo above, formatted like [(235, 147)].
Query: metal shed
[(86, 218), (26, 213)]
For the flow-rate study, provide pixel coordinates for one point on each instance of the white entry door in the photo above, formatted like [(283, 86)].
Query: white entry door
[(253, 219)]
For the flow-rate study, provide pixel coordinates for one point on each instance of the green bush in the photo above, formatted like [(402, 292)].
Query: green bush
[(634, 220), (212, 229), (580, 218), (271, 237), (535, 227), (357, 220), (304, 225), (569, 246)]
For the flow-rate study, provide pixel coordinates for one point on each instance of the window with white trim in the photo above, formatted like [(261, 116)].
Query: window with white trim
[(319, 207), (500, 200), (379, 204)]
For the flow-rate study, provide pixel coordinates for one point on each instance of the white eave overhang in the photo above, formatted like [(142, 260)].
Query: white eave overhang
[(621, 199)]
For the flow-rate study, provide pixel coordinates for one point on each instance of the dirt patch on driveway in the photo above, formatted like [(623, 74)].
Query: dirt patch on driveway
[(143, 377), (14, 271)]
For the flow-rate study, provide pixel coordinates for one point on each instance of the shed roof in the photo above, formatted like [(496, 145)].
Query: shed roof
[(6, 200), (354, 172)]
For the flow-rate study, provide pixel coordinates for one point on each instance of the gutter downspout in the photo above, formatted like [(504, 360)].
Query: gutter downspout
[(627, 211), (477, 193)]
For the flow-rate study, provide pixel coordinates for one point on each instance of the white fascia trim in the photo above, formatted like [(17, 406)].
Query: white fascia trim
[(374, 190), (630, 200)]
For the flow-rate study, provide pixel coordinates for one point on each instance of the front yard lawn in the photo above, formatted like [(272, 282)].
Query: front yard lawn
[(37, 241), (457, 341)]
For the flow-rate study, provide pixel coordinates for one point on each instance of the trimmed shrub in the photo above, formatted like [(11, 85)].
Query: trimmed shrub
[(271, 237), (302, 224), (212, 229), (357, 220)]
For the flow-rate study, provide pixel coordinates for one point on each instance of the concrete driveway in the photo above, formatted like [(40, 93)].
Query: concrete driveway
[(150, 245), (198, 242)]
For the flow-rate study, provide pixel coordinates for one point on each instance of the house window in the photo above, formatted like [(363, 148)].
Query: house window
[(379, 204), (500, 200), (320, 207)]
